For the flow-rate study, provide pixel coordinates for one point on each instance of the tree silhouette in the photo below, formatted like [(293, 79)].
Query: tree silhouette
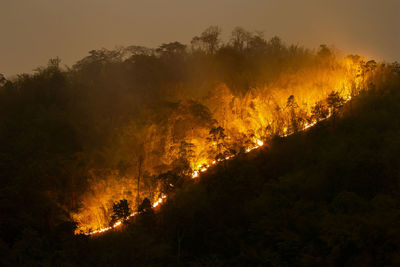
[(3, 80), (145, 205), (370, 66), (121, 211), (240, 38), (335, 101), (217, 140), (319, 111), (396, 67), (209, 39), (295, 120), (186, 150), (170, 49)]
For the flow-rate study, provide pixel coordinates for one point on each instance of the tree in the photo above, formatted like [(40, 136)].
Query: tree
[(295, 120), (140, 160), (170, 49), (121, 211), (3, 80), (181, 165), (324, 52), (370, 66), (217, 140), (335, 102), (257, 42), (146, 217), (209, 39), (54, 63), (183, 154), (396, 67), (135, 50), (240, 38), (291, 102), (186, 151), (319, 111), (276, 45), (145, 206)]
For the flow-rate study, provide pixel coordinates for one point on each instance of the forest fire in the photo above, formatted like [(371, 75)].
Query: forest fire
[(204, 167), (187, 137), (195, 174), (254, 144), (230, 148), (105, 229), (119, 223)]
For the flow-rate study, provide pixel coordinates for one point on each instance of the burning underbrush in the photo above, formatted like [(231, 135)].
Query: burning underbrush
[(189, 136)]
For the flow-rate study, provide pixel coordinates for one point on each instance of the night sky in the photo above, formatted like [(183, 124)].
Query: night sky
[(32, 31)]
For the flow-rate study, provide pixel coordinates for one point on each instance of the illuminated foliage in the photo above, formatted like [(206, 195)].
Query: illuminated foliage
[(186, 135), (135, 122)]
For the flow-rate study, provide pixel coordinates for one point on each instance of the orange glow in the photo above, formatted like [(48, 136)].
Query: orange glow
[(159, 201), (258, 115)]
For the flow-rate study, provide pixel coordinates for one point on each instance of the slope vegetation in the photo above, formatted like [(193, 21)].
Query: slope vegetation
[(328, 196)]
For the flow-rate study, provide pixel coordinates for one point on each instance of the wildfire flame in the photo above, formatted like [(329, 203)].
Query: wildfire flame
[(204, 167), (159, 201), (119, 223)]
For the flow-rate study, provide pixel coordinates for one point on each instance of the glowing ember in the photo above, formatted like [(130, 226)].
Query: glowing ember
[(159, 201), (195, 174), (308, 125)]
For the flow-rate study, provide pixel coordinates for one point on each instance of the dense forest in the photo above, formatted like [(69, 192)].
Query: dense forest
[(86, 146)]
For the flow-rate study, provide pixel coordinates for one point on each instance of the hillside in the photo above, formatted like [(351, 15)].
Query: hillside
[(245, 152), (325, 197)]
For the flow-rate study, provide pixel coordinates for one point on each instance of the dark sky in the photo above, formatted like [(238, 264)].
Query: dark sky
[(32, 31)]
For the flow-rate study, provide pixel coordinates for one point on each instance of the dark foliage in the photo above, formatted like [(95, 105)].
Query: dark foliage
[(324, 197), (121, 211), (328, 196)]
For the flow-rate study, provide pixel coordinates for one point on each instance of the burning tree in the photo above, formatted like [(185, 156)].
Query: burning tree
[(184, 154), (296, 116), (121, 211), (217, 140), (335, 102), (319, 111)]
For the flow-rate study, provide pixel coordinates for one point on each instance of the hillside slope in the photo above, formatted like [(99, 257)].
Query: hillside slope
[(328, 196)]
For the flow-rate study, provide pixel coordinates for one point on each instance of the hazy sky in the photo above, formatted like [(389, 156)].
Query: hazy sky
[(32, 31)]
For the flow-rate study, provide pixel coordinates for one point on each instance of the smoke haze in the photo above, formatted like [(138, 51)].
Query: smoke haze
[(34, 31)]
